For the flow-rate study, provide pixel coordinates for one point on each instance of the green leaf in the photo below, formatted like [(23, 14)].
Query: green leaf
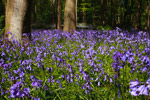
[(3, 30)]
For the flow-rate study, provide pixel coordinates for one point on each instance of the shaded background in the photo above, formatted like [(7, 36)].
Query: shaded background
[(98, 14)]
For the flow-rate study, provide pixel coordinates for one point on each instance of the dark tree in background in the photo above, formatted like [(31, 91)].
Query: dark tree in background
[(59, 15), (102, 14), (147, 14)]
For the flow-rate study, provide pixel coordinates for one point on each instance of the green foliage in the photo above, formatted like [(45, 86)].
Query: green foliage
[(100, 28), (107, 27), (2, 21)]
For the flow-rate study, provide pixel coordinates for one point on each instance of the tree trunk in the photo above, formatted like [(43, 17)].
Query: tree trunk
[(131, 13), (102, 12), (76, 12), (126, 14), (35, 11), (114, 13), (147, 26), (112, 10), (53, 11), (70, 16), (14, 17), (84, 13), (139, 13), (59, 15), (119, 14)]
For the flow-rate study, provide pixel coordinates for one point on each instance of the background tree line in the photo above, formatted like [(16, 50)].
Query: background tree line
[(121, 13), (101, 14)]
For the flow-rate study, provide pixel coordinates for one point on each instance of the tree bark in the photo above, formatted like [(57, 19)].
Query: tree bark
[(35, 11), (119, 14), (59, 15), (139, 13), (53, 11), (126, 14), (70, 16), (76, 12), (112, 10), (84, 13), (131, 13), (14, 17), (102, 12), (147, 26)]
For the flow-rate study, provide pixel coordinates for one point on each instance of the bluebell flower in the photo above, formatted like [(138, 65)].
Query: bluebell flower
[(98, 84), (17, 91), (134, 83), (37, 98), (62, 76), (37, 83)]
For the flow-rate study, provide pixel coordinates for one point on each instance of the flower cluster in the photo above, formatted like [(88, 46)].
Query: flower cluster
[(17, 90), (139, 88), (85, 61)]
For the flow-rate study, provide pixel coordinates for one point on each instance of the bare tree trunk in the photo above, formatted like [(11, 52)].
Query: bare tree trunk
[(14, 17), (147, 26), (119, 14), (112, 10), (59, 15), (114, 13), (76, 12), (69, 16), (131, 13), (35, 10), (84, 13), (139, 13), (126, 14), (53, 10), (102, 12)]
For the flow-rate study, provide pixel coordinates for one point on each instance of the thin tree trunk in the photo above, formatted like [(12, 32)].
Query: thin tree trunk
[(139, 13), (105, 13), (112, 10), (59, 15), (14, 17), (69, 16), (147, 15), (126, 14), (76, 12), (84, 13), (35, 11), (93, 15), (102, 12), (53, 10), (131, 13), (119, 14), (114, 13)]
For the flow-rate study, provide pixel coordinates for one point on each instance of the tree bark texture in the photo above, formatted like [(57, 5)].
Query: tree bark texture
[(70, 16), (126, 14), (147, 26), (76, 12), (102, 12), (139, 13), (14, 17), (59, 15)]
